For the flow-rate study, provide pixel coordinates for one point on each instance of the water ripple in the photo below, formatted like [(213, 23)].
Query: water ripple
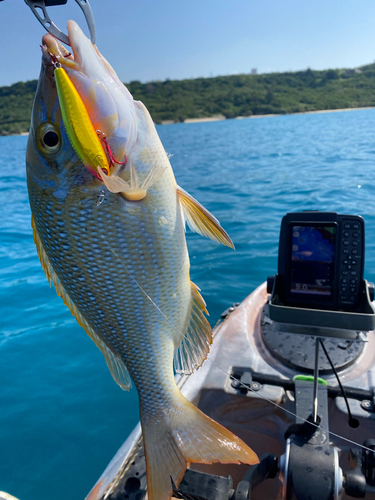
[(59, 403)]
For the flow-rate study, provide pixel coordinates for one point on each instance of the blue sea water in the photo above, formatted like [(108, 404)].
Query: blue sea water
[(62, 417)]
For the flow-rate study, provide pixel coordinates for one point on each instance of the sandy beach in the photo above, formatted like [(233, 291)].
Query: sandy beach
[(216, 118)]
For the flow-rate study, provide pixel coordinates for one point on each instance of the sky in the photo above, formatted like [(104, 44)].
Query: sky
[(158, 39)]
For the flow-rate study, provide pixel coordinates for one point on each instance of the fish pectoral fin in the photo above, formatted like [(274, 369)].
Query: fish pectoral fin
[(113, 182), (192, 348), (115, 364), (154, 174), (200, 220), (184, 435), (133, 190)]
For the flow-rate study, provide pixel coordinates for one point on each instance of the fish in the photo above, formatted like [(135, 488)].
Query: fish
[(109, 228)]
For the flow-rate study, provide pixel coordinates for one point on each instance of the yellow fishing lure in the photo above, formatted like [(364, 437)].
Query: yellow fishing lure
[(78, 125)]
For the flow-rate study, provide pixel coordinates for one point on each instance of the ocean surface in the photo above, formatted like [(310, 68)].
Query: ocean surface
[(62, 417)]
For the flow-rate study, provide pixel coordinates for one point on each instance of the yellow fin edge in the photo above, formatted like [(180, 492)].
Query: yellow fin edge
[(192, 349), (183, 437), (201, 220), (115, 364)]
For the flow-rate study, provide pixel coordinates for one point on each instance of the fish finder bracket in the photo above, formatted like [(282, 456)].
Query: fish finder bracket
[(319, 284)]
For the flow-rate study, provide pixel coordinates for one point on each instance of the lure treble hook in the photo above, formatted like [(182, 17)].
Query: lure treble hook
[(39, 10)]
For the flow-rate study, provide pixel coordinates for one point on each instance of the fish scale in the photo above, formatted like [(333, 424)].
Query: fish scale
[(104, 225), (119, 260), (109, 219)]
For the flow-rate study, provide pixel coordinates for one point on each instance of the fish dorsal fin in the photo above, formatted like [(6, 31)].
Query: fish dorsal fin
[(115, 364), (192, 348), (201, 220)]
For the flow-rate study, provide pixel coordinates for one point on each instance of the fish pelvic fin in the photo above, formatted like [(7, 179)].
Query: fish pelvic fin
[(133, 190), (193, 347), (200, 220), (183, 436), (115, 364)]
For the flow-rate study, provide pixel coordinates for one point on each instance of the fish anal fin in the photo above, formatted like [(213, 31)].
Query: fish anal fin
[(186, 435), (201, 220), (192, 348), (115, 364)]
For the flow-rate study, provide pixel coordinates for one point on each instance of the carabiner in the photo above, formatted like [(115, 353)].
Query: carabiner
[(39, 10)]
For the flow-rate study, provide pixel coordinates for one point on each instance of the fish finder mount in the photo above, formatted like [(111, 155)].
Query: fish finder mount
[(319, 291)]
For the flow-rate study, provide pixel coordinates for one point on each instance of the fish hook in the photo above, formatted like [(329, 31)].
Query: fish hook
[(54, 59), (102, 137)]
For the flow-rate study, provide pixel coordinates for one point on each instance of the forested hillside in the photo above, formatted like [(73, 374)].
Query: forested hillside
[(15, 107), (231, 96)]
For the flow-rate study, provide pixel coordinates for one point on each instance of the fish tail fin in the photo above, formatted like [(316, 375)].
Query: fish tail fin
[(186, 435)]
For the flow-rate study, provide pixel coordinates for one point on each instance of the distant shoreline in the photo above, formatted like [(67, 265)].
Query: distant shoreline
[(15, 135), (218, 118)]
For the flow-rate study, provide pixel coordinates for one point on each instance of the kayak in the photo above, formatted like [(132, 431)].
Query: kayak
[(248, 384)]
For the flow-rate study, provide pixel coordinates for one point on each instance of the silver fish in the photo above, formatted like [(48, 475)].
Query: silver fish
[(121, 265)]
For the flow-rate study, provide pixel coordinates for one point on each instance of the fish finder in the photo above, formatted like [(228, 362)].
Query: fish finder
[(321, 260), (319, 282)]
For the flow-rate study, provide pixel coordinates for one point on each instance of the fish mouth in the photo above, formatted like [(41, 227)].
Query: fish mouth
[(53, 50), (84, 58), (109, 104), (84, 55)]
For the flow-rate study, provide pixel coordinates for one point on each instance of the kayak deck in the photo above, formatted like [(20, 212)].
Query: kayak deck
[(260, 418)]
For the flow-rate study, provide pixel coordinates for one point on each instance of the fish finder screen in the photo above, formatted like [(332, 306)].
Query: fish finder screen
[(312, 259)]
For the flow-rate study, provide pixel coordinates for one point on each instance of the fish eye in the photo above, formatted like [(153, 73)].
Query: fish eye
[(48, 139), (51, 139)]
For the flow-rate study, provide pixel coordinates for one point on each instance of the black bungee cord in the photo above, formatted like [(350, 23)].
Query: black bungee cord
[(353, 422)]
